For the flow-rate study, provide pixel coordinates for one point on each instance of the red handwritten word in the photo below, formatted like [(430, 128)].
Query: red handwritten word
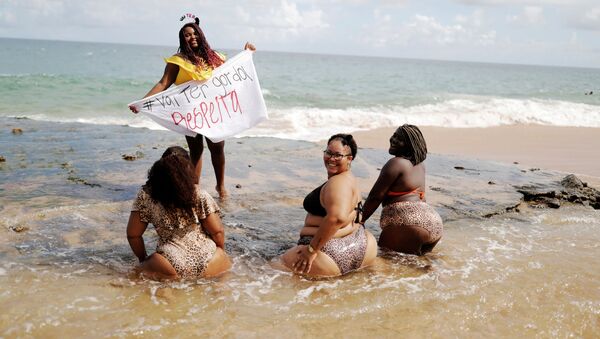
[(209, 114)]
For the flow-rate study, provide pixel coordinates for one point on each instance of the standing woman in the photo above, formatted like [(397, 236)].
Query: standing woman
[(332, 242), (195, 60), (408, 223)]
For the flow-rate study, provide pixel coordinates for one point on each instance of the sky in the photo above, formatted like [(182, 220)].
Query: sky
[(538, 32)]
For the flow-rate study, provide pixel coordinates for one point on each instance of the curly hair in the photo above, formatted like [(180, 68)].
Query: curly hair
[(415, 148), (346, 140), (172, 179), (204, 53)]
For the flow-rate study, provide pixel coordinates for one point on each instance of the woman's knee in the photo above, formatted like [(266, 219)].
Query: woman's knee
[(196, 146), (216, 147)]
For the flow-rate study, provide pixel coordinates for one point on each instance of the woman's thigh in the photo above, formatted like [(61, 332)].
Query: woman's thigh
[(219, 263), (404, 238), (371, 251), (157, 266), (323, 265)]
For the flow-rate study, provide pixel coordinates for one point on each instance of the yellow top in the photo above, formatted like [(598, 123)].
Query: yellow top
[(188, 71)]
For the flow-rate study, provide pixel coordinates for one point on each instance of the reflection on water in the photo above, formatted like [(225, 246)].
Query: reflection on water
[(533, 273)]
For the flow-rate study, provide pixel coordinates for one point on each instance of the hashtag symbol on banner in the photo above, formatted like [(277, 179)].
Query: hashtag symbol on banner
[(148, 105)]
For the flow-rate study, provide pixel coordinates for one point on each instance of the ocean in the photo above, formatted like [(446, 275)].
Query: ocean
[(66, 193), (307, 95)]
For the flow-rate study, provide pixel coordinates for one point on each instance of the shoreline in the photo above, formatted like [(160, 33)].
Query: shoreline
[(566, 149)]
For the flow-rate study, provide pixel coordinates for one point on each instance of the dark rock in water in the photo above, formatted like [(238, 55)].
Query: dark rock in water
[(572, 182), (459, 167), (491, 183), (2, 159), (132, 157), (19, 228), (17, 131), (571, 189), (238, 186)]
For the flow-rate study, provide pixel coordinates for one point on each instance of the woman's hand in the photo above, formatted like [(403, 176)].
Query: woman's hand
[(133, 109), (249, 47), (304, 260)]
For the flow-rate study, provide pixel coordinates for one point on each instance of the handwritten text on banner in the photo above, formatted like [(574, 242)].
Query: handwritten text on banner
[(224, 105)]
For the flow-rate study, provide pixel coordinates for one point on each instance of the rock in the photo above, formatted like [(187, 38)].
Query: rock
[(19, 228), (2, 159), (129, 157), (572, 182), (238, 186), (459, 167), (17, 131), (573, 191), (491, 183)]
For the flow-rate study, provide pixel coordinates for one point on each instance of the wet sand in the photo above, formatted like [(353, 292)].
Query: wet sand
[(566, 149)]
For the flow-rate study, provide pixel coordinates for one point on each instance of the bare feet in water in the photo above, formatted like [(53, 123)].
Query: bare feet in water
[(223, 194)]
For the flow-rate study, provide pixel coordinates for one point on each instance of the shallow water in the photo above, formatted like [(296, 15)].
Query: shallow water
[(67, 271), (531, 274)]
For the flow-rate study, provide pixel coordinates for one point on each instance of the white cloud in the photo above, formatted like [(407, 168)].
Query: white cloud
[(530, 15), (590, 19), (422, 30), (284, 19)]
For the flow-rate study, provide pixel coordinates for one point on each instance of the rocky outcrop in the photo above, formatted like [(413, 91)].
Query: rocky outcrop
[(570, 189)]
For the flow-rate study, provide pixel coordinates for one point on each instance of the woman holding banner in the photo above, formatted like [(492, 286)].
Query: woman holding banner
[(195, 60)]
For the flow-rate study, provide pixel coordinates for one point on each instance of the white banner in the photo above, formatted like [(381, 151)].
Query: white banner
[(224, 105)]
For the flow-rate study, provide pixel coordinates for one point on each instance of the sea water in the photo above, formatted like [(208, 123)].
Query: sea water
[(307, 95), (66, 192)]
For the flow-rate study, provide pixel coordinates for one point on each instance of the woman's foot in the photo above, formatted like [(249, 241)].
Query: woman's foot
[(223, 194)]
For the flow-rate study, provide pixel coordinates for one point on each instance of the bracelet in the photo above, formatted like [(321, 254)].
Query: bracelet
[(311, 250)]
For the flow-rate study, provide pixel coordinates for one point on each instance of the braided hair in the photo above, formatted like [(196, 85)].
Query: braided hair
[(346, 140), (415, 148)]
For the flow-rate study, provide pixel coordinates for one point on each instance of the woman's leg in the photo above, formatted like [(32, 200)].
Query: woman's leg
[(404, 238), (218, 264), (158, 267), (371, 252), (217, 156), (196, 146), (323, 266)]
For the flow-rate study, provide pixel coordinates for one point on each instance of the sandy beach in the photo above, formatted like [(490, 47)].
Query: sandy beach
[(566, 149)]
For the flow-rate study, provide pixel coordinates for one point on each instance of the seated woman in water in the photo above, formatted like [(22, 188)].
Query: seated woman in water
[(408, 223), (332, 242), (186, 219)]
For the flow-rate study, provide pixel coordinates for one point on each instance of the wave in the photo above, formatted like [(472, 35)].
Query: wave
[(309, 123)]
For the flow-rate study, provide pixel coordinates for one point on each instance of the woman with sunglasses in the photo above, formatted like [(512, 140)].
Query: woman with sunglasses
[(332, 242)]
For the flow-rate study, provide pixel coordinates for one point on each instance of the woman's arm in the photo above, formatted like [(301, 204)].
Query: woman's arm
[(389, 173), (213, 226), (135, 229), (336, 197), (165, 82)]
